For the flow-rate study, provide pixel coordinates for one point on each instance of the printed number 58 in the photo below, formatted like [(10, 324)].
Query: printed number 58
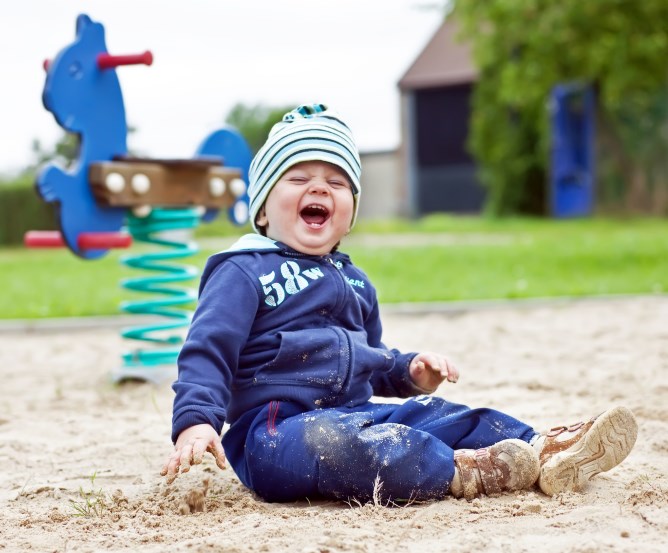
[(274, 291)]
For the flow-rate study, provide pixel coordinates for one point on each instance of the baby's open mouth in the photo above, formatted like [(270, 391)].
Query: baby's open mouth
[(314, 215)]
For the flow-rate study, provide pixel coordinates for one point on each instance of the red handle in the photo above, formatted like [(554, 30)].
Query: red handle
[(107, 61), (43, 239), (85, 241), (103, 240)]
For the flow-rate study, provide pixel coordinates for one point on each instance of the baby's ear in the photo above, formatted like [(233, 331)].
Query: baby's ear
[(261, 218)]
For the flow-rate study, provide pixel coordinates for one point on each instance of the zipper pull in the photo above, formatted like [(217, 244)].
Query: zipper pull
[(336, 264)]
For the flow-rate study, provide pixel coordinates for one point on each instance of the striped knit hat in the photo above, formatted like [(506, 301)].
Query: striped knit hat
[(308, 133)]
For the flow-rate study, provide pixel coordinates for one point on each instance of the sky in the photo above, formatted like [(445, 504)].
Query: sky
[(210, 55)]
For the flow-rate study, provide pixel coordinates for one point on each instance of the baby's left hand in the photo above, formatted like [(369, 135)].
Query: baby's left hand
[(429, 369)]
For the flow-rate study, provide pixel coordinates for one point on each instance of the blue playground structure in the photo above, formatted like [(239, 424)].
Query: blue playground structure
[(109, 199), (572, 155)]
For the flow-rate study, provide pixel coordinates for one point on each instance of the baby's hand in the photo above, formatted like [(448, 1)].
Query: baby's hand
[(189, 450), (429, 369)]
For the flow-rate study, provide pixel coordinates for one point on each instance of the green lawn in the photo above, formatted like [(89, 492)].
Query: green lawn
[(435, 259), (524, 258)]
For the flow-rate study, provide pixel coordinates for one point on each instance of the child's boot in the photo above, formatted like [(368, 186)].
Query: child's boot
[(571, 456), (508, 465)]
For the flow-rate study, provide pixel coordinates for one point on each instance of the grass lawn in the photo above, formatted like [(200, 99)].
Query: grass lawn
[(438, 258)]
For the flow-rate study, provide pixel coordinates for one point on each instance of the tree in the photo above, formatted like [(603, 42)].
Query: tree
[(65, 150), (255, 122), (523, 48)]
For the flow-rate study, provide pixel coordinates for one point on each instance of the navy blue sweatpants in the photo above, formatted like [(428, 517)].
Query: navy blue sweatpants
[(285, 454)]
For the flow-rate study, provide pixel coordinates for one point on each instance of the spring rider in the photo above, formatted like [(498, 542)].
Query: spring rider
[(108, 199)]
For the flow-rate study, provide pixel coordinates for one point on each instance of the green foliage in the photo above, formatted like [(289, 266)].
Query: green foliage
[(21, 209), (255, 122), (524, 47), (435, 259), (65, 151)]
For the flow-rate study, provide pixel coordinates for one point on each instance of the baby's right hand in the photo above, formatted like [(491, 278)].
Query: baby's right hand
[(189, 450)]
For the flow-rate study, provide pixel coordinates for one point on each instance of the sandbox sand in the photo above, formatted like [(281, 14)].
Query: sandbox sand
[(61, 422)]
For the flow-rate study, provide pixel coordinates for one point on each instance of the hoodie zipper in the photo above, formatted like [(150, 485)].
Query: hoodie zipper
[(328, 259), (345, 289)]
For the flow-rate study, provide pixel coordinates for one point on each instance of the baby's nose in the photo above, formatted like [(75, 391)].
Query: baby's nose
[(318, 187)]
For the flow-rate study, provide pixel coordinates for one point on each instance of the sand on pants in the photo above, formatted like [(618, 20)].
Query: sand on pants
[(80, 457)]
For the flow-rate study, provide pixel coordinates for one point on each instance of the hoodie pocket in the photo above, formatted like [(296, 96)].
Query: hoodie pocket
[(317, 357)]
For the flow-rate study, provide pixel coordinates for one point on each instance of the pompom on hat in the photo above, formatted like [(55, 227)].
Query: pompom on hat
[(308, 133)]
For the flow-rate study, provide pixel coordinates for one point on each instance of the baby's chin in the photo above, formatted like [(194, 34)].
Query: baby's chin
[(312, 245), (321, 249)]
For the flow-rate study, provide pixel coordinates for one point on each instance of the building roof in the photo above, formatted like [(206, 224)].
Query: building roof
[(443, 61)]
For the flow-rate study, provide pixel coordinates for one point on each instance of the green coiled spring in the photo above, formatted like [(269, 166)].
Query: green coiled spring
[(169, 301)]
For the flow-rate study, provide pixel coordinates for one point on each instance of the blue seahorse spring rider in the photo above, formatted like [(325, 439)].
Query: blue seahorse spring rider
[(107, 192)]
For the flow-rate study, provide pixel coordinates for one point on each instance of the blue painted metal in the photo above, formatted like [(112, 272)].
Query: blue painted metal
[(228, 144), (168, 300), (87, 101), (572, 155)]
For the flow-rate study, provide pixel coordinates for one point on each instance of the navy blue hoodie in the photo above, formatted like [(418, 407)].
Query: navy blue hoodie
[(276, 324)]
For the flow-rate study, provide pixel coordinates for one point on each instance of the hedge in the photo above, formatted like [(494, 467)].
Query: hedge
[(21, 210)]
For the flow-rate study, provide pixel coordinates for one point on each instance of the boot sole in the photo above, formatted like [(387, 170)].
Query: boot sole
[(608, 442)]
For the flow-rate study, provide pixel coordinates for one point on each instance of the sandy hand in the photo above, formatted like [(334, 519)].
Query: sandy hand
[(429, 369), (189, 450)]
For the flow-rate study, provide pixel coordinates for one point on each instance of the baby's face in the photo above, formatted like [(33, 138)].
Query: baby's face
[(310, 208)]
